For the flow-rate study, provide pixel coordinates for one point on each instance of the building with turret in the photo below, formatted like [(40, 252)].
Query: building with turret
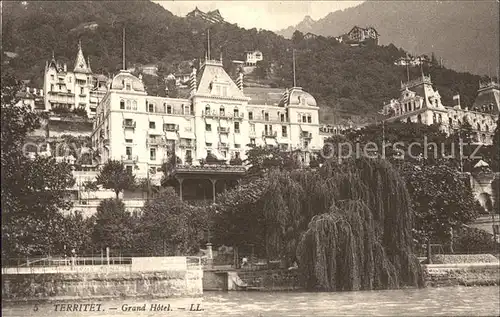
[(420, 102), (67, 90), (219, 119)]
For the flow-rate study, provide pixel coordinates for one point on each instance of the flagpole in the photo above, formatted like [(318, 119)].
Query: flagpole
[(294, 79)]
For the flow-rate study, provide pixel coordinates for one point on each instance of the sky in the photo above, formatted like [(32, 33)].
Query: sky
[(269, 15)]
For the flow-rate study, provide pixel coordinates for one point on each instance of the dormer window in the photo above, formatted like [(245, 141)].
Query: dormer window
[(128, 86), (222, 112), (122, 104), (236, 113), (169, 109), (151, 108), (207, 109)]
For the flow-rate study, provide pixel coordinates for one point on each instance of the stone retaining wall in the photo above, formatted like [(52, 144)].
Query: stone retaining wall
[(437, 275), (272, 279), (95, 285)]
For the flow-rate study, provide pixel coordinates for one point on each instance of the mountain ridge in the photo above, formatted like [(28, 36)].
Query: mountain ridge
[(457, 31)]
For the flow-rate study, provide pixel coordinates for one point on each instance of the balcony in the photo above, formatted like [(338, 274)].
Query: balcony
[(186, 145), (129, 124), (224, 115), (154, 141), (306, 135), (269, 134), (170, 127), (223, 145), (129, 158), (222, 130)]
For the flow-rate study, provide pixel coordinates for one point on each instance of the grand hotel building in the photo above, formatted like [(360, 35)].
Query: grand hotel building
[(218, 117)]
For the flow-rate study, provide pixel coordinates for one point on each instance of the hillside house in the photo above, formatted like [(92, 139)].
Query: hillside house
[(359, 35)]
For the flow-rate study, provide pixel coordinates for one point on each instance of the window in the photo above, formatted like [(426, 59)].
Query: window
[(266, 116), (128, 151), (152, 125), (207, 109), (129, 169), (129, 122), (208, 144), (236, 113), (250, 116), (236, 127), (222, 113), (152, 154), (208, 127), (223, 153), (169, 109), (128, 105), (52, 77), (128, 86), (282, 117), (283, 131), (134, 105), (304, 119), (122, 104), (51, 87), (309, 119), (237, 146), (128, 140), (299, 118), (81, 90), (209, 152), (252, 128), (252, 141), (151, 108)]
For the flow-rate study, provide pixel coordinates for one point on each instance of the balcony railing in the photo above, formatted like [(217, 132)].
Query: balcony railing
[(222, 130), (186, 145), (306, 135), (171, 127), (129, 124), (269, 134), (129, 158), (154, 141), (223, 145), (227, 115)]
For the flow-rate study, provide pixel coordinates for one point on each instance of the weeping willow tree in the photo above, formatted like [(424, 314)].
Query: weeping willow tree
[(348, 225)]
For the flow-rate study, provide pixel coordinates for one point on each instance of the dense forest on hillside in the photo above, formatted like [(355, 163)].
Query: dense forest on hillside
[(351, 80)]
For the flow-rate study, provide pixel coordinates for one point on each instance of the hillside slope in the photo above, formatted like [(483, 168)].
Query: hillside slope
[(464, 33), (348, 80)]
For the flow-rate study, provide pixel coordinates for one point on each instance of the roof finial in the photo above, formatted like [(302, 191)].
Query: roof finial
[(80, 45), (53, 55)]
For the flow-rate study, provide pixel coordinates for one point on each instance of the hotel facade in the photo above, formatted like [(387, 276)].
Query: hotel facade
[(218, 117)]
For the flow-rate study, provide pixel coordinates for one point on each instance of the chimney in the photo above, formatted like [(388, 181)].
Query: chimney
[(192, 81), (65, 67)]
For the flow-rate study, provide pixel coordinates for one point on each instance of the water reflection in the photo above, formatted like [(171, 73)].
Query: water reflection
[(448, 301)]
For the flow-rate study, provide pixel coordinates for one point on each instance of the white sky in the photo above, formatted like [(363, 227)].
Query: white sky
[(270, 15)]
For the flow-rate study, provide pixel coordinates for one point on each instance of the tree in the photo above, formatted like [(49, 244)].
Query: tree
[(297, 37), (113, 226), (34, 190), (113, 175), (441, 200), (169, 226), (495, 149), (263, 159)]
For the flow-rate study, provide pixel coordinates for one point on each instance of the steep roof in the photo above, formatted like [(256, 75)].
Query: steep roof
[(263, 96), (489, 95), (80, 63), (212, 73)]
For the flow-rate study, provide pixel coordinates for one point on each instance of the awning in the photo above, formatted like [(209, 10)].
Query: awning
[(187, 135), (170, 135), (271, 141)]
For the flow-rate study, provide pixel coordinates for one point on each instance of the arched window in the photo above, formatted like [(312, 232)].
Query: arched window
[(128, 105), (169, 109), (440, 118), (122, 104), (450, 122), (434, 118), (483, 138), (134, 105), (487, 128), (165, 108), (207, 109), (222, 112)]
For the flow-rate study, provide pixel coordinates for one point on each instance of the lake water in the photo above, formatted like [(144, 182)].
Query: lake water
[(446, 301)]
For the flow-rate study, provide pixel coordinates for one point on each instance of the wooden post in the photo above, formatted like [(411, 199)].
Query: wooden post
[(181, 180), (214, 182), (429, 261), (107, 255)]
